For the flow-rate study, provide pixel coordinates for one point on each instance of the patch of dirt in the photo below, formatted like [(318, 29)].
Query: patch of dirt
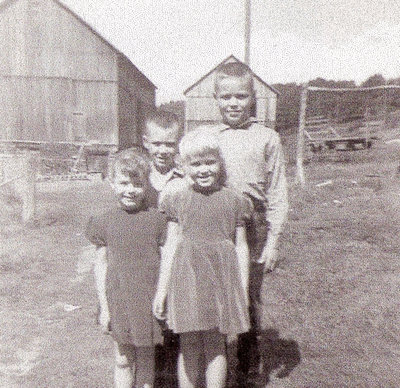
[(332, 302)]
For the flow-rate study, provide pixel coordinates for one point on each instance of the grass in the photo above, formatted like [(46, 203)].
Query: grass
[(332, 302)]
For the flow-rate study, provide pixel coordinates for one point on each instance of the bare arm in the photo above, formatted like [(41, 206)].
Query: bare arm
[(167, 256), (100, 273), (242, 252)]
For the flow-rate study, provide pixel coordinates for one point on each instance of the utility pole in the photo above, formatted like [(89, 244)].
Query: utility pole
[(247, 31)]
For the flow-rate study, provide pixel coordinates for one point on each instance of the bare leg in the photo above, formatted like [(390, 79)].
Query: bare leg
[(215, 357), (124, 365), (189, 361)]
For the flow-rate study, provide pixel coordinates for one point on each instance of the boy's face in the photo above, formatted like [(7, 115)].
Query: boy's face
[(204, 169), (235, 97), (161, 144), (130, 190)]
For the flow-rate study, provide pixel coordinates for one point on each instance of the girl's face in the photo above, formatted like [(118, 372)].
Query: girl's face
[(204, 169), (130, 191)]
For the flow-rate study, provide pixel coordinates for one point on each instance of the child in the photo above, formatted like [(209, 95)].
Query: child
[(254, 165), (161, 142), (126, 276), (162, 130), (204, 268)]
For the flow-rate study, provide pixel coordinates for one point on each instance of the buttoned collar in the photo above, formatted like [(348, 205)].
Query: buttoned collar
[(245, 125)]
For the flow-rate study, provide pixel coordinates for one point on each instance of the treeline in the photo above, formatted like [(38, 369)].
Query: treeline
[(340, 106)]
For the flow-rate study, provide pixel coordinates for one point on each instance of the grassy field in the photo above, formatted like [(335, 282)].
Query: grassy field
[(333, 301)]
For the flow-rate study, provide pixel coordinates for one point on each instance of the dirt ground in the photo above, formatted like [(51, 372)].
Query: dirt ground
[(333, 301)]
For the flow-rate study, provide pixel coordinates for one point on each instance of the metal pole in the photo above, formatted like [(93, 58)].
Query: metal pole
[(247, 33)]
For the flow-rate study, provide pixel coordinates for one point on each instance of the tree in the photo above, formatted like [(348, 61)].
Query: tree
[(374, 80)]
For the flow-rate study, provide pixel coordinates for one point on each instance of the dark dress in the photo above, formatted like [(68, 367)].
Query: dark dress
[(205, 290), (133, 258)]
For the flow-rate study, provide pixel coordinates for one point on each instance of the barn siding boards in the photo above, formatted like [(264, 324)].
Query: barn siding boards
[(136, 99), (127, 112), (12, 37), (59, 45), (201, 108), (93, 114), (60, 81), (131, 79)]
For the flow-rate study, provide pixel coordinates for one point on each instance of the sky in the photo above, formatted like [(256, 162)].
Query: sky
[(175, 42)]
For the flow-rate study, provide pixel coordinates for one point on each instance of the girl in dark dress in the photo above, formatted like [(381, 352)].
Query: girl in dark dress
[(128, 237), (204, 268)]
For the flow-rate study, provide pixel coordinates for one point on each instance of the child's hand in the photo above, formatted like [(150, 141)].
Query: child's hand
[(269, 258), (159, 306), (104, 320)]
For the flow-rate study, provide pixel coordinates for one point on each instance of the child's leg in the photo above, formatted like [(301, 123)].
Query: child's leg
[(214, 344), (124, 365), (144, 366), (189, 360)]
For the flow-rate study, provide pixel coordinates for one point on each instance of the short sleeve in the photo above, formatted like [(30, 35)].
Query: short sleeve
[(95, 232), (168, 206), (244, 210)]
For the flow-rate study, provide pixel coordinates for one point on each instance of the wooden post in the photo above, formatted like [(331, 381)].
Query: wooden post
[(247, 33), (29, 187), (300, 179), (367, 132)]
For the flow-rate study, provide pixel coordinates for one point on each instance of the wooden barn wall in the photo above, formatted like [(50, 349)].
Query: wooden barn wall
[(129, 132), (12, 38), (136, 99), (58, 78), (58, 110), (60, 45), (40, 38), (95, 114), (202, 109), (132, 80)]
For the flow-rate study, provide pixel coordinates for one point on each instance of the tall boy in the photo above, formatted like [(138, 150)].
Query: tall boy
[(254, 165)]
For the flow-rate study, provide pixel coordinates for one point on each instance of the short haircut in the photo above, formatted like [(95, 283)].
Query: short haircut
[(233, 69), (162, 118), (130, 161), (199, 142)]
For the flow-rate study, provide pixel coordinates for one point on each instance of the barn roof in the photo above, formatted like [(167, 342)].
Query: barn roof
[(224, 61), (6, 3)]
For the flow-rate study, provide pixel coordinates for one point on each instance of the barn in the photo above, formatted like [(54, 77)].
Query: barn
[(202, 109), (60, 81)]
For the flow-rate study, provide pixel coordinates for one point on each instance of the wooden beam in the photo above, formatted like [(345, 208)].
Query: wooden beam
[(300, 179), (29, 187), (381, 87)]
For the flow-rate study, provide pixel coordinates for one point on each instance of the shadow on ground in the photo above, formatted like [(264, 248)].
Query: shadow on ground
[(279, 356)]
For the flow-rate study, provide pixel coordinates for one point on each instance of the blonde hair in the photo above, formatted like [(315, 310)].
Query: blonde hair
[(201, 141), (235, 70)]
